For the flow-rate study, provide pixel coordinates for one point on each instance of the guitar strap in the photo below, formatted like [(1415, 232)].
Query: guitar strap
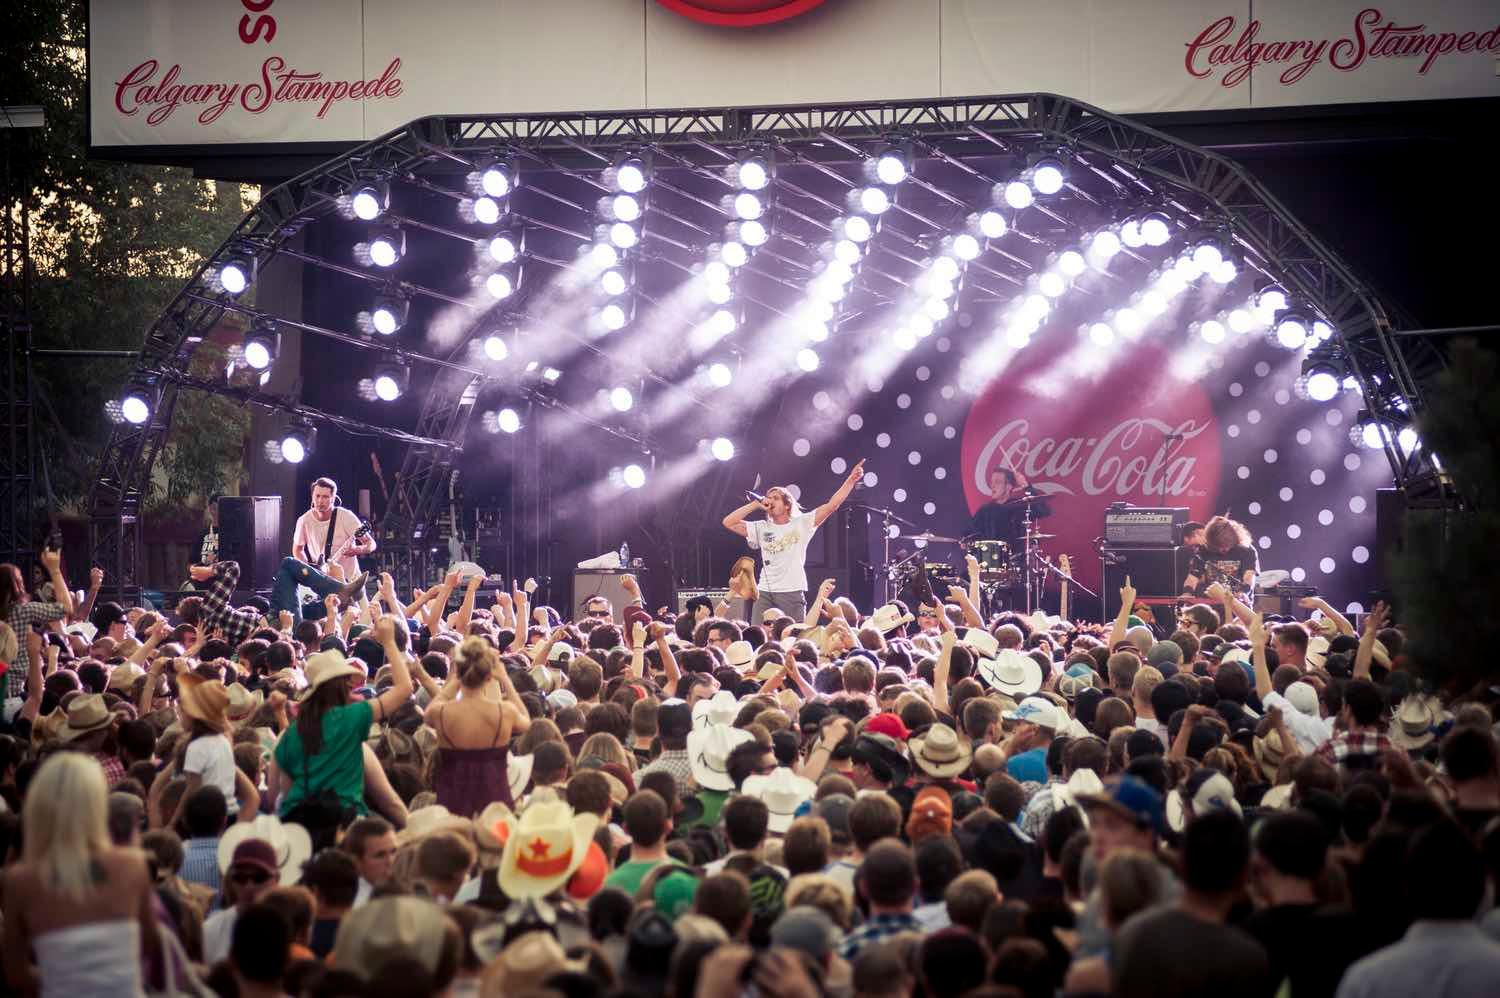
[(328, 542)]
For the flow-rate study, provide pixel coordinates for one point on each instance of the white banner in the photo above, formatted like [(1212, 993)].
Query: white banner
[(205, 72)]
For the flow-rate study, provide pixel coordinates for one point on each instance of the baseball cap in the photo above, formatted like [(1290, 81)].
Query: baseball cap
[(562, 699), (834, 809), (889, 725), (807, 929), (561, 652), (1130, 798), (1164, 652), (257, 854), (1039, 711), (1303, 697), (1210, 790)]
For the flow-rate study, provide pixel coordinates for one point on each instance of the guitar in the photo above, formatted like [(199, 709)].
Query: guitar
[(1062, 585), (359, 534)]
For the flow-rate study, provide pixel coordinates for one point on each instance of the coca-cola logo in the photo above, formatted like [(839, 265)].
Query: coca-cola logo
[(1234, 52), (739, 13), (1138, 435)]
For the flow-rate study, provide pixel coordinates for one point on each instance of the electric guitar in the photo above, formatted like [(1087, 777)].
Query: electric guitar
[(1062, 585), (359, 534)]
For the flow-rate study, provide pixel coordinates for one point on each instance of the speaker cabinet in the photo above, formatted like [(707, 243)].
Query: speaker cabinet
[(591, 582), (1154, 572), (250, 533)]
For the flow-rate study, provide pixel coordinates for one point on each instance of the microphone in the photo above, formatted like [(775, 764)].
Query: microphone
[(754, 496)]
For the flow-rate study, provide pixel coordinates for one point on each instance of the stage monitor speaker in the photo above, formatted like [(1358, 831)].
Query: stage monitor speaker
[(250, 533), (1154, 572), (591, 582)]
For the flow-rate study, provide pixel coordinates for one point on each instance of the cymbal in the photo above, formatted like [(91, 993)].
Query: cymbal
[(1272, 578), (1041, 537), (932, 538)]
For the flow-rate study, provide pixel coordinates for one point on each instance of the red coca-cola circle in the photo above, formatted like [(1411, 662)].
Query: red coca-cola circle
[(1088, 443), (739, 13)]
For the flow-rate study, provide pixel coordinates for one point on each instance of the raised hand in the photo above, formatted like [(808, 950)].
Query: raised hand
[(450, 581), (1127, 595), (1310, 603), (200, 573), (957, 593), (96, 577), (385, 629), (1376, 618), (1257, 630), (51, 559), (638, 633), (858, 471), (826, 589), (387, 584), (503, 599), (973, 565), (284, 618), (630, 585)]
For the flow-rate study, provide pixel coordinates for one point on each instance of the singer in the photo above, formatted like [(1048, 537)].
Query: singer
[(782, 539)]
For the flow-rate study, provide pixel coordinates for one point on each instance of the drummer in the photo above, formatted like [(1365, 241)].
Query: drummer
[(1002, 518)]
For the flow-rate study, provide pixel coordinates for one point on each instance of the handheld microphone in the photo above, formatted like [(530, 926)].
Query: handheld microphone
[(754, 496)]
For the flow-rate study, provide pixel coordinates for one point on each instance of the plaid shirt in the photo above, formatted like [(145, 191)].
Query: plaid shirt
[(21, 618), (1366, 741), (200, 862), (114, 769), (876, 928), (237, 625), (676, 763)]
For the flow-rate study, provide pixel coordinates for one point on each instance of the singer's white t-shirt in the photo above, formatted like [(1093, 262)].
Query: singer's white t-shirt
[(783, 549)]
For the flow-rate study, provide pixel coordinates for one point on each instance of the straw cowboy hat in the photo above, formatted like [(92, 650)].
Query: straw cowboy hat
[(243, 703), (739, 655), (708, 754), (1012, 672), (86, 714), (290, 842), (123, 676), (939, 753), (888, 618), (430, 820), (1412, 727), (202, 699), (1269, 752), (489, 832), (721, 708), (544, 846), (524, 963), (324, 667), (783, 792)]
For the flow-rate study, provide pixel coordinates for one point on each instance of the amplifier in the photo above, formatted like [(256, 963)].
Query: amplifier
[(1282, 599), (1144, 526), (714, 595), (1155, 572)]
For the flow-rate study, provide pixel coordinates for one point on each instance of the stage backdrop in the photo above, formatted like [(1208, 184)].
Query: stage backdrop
[(169, 73), (1089, 426)]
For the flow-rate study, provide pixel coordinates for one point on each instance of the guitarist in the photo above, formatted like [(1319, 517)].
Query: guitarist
[(327, 529)]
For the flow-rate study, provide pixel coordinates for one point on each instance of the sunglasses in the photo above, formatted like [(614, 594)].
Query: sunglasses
[(243, 877), (596, 613)]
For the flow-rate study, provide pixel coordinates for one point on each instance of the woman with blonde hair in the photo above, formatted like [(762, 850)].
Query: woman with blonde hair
[(606, 748), (475, 717), (79, 904), (743, 591)]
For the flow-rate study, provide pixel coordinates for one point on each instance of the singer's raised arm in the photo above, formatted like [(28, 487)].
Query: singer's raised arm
[(735, 521)]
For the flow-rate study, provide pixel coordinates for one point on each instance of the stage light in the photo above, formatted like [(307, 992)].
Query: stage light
[(1051, 284), (920, 324), (720, 294), (1128, 321), (613, 316), (135, 408), (1322, 386), (1047, 176), (385, 248), (1240, 320), (508, 420), (807, 359), (1407, 439), (261, 346), (1071, 263), (1367, 433), (391, 380), (1186, 268), (936, 309), (734, 254), (297, 443), (855, 228), (890, 168), (389, 313), (628, 175), (1104, 245), (846, 251), (722, 322), (1224, 272), (905, 338), (722, 449), (1102, 334), (633, 475), (368, 202), (1207, 255), (1291, 331), (623, 207), (503, 248), (1270, 300), (964, 246), (500, 285), (621, 399), (751, 232), (1017, 194), (720, 374), (551, 375), (990, 224), (1212, 331), (716, 272), (495, 347), (746, 205), (496, 180), (1036, 305), (1152, 303), (1131, 235), (752, 173), (235, 273), (1321, 332), (602, 254), (623, 235), (613, 283), (1156, 228), (873, 201), (485, 210), (838, 270)]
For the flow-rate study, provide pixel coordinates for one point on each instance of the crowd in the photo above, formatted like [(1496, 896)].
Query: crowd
[(397, 799)]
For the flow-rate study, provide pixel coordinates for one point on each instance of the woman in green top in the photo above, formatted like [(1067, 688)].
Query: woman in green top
[(320, 757)]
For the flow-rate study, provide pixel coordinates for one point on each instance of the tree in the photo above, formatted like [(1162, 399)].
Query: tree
[(112, 244)]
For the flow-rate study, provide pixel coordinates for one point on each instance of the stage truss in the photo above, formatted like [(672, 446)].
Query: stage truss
[(960, 147)]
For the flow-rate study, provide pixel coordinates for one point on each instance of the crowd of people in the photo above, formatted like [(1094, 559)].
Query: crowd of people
[(402, 798)]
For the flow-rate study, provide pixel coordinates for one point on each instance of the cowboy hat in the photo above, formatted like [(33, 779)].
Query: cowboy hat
[(524, 963), (708, 753), (783, 792), (123, 676), (292, 677), (884, 751), (243, 703), (939, 752), (87, 714), (1268, 753), (396, 926), (203, 699), (289, 841), (1412, 726), (544, 845), (518, 773), (1317, 651), (324, 667), (983, 642), (1012, 672), (430, 820), (489, 833), (888, 618), (721, 708), (739, 655)]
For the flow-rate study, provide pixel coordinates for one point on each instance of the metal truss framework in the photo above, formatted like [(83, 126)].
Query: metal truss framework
[(1130, 162), (17, 434)]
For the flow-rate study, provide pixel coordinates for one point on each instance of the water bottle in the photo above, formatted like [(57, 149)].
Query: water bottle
[(624, 555)]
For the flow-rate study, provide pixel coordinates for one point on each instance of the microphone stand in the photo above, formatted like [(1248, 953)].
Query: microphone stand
[(889, 517), (1166, 442), (1049, 567)]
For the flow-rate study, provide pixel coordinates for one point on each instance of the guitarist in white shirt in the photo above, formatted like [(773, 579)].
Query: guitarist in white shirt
[(326, 529)]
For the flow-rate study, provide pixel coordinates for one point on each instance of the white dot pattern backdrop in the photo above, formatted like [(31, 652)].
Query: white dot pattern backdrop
[(1288, 468)]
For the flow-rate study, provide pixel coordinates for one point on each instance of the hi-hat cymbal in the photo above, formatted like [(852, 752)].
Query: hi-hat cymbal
[(932, 538), (1041, 537)]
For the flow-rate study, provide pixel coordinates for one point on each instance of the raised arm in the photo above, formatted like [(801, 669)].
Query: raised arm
[(1339, 620), (33, 705), (972, 564), (971, 612), (1374, 621), (52, 562), (940, 673), (400, 690), (1258, 656), (735, 522), (439, 603), (96, 582), (816, 608), (837, 499), (668, 659), (1127, 604)]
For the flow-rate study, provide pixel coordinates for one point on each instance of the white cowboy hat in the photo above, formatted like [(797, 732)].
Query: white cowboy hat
[(290, 841), (708, 754), (518, 773), (1412, 726), (888, 618), (938, 752), (1317, 651), (739, 655), (243, 703), (982, 641), (324, 667), (1013, 672), (545, 845), (430, 820), (783, 791), (721, 708)]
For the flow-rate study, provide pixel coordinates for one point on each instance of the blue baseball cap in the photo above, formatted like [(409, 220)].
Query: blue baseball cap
[(1133, 800)]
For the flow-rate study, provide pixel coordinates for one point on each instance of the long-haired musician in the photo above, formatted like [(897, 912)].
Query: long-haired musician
[(1227, 557)]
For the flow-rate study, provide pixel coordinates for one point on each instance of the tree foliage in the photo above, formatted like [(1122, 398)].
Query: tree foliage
[(112, 244)]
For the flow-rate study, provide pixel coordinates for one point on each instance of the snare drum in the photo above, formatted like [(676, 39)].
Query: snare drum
[(993, 557)]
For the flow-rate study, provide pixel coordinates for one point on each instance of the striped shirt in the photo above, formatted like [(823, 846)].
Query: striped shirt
[(21, 618), (200, 862)]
